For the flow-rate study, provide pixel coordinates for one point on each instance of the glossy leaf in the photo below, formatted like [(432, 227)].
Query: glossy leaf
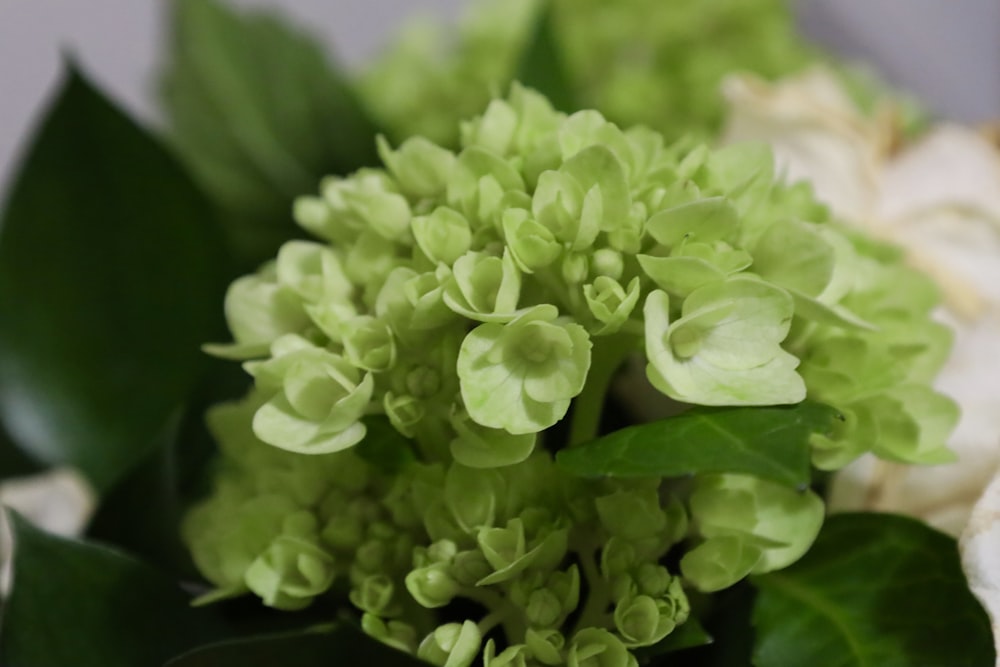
[(77, 603), (343, 646), (874, 590), (111, 276), (768, 442), (542, 65), (260, 114)]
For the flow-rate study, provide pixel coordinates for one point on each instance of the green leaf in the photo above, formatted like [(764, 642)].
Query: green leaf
[(77, 603), (690, 634), (874, 590), (542, 65), (345, 645), (14, 462), (260, 114), (111, 274), (768, 442)]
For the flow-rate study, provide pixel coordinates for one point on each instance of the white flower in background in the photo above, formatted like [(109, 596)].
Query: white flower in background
[(940, 199), (60, 501)]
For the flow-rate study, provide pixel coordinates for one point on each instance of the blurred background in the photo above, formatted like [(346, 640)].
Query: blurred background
[(945, 53)]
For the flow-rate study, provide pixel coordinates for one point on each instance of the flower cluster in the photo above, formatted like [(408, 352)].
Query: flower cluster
[(464, 301), (639, 61)]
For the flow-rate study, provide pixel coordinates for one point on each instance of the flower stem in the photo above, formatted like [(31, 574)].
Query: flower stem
[(607, 356)]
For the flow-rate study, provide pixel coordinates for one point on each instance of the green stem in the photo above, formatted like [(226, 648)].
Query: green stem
[(595, 609), (608, 354), (501, 610)]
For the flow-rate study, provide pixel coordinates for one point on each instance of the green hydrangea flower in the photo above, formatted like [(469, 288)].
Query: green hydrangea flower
[(638, 61), (463, 303)]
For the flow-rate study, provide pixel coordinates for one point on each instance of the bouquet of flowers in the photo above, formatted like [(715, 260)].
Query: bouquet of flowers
[(567, 345)]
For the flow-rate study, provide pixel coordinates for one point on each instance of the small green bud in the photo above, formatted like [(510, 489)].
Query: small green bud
[(421, 167), (369, 344), (290, 573), (517, 655), (643, 621), (719, 562), (374, 595), (470, 567), (451, 645), (632, 514), (472, 496), (545, 645), (443, 236), (610, 304), (544, 609), (575, 267), (432, 586), (531, 244), (652, 579), (343, 532), (607, 262), (401, 636), (596, 647)]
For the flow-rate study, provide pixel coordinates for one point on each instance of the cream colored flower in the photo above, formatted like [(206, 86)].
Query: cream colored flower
[(60, 501)]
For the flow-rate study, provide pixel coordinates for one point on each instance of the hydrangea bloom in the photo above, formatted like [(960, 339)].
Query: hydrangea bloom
[(463, 302), (639, 61)]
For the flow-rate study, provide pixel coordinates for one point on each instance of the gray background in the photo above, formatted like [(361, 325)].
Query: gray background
[(947, 52)]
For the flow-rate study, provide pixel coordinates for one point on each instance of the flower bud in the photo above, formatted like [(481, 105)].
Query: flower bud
[(517, 655), (443, 236), (421, 167), (596, 647), (607, 262), (451, 645), (432, 586), (469, 567), (545, 645), (643, 621), (401, 636), (369, 343), (290, 573), (374, 595)]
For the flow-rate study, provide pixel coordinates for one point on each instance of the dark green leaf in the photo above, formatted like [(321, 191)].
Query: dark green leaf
[(769, 442), (83, 605), (260, 115), (384, 447), (142, 513), (726, 617), (689, 635), (542, 65), (112, 271), (344, 646), (875, 590), (13, 460)]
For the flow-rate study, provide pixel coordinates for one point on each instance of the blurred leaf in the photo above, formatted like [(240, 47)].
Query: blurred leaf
[(260, 115), (83, 605), (143, 512), (875, 590), (769, 442), (543, 66), (111, 276), (14, 462), (344, 645)]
